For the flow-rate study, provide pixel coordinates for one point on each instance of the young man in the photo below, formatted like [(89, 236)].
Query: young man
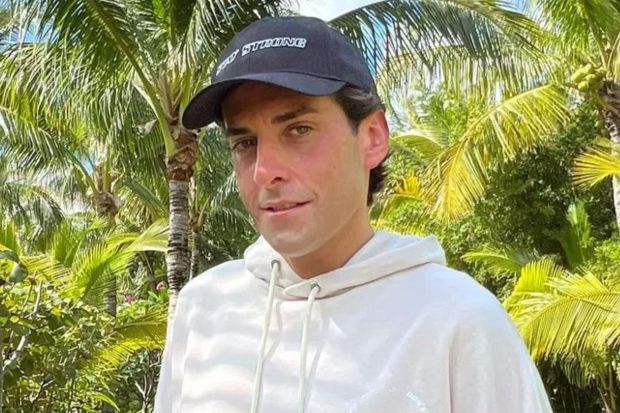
[(323, 314)]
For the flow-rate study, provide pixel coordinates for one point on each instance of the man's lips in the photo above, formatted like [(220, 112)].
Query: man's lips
[(282, 206)]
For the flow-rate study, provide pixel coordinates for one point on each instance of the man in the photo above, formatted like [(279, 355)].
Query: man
[(323, 314)]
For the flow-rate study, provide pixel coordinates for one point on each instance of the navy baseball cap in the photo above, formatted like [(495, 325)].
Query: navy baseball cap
[(303, 54)]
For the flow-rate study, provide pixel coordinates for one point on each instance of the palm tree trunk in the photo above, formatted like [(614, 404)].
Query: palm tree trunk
[(611, 96), (106, 205), (179, 171), (147, 257), (176, 259), (193, 270)]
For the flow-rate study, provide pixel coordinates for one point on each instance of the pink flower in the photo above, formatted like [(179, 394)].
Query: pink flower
[(129, 298), (160, 286)]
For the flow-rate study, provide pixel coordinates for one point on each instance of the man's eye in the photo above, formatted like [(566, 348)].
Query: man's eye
[(301, 130), (242, 144)]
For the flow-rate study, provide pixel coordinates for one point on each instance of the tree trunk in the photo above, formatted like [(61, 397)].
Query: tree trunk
[(106, 205), (611, 96), (147, 257), (180, 169), (176, 259), (195, 258)]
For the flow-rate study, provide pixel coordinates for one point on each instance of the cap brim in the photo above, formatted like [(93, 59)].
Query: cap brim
[(204, 108)]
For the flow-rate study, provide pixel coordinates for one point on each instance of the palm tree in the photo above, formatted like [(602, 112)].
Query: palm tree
[(451, 141), (588, 41), (583, 42), (82, 160)]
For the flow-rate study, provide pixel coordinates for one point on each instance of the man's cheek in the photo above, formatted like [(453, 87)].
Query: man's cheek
[(246, 197)]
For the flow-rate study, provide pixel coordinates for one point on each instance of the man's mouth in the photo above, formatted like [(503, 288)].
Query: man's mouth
[(285, 206)]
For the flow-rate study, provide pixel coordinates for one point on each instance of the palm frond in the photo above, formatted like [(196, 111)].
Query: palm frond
[(501, 260), (536, 274), (594, 166), (584, 314), (154, 238), (143, 331), (427, 141), (26, 203), (475, 39), (577, 22), (457, 178), (93, 272), (51, 270), (8, 237), (533, 280), (562, 313), (104, 29), (407, 190), (141, 201), (613, 61)]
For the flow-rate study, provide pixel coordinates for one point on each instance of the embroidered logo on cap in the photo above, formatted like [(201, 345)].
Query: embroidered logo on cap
[(297, 42)]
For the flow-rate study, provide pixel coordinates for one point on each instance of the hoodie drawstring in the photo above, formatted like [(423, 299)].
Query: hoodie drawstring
[(303, 351), (258, 377)]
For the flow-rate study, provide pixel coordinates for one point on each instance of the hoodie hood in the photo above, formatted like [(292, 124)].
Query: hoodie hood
[(384, 254)]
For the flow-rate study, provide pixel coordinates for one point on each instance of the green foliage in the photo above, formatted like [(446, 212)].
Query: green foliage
[(73, 348), (606, 260), (528, 198)]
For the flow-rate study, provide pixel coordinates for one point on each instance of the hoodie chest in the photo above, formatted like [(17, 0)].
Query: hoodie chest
[(360, 357)]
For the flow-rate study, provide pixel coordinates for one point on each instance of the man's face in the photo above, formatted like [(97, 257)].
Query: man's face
[(301, 170)]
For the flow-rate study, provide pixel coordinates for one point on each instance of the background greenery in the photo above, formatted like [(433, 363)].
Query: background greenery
[(505, 126)]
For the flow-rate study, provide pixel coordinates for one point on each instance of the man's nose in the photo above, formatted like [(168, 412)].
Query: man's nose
[(271, 164)]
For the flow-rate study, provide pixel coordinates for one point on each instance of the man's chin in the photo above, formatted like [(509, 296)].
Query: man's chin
[(289, 244)]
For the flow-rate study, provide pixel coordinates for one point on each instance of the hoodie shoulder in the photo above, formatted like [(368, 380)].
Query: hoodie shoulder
[(224, 272), (458, 293)]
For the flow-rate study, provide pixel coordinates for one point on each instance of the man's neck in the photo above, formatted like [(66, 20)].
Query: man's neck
[(334, 254)]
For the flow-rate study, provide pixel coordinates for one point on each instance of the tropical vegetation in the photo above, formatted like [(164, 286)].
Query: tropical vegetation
[(505, 119)]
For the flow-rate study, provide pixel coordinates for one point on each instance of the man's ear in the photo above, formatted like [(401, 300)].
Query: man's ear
[(375, 134)]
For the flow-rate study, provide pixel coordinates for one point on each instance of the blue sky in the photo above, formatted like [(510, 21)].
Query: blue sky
[(328, 9)]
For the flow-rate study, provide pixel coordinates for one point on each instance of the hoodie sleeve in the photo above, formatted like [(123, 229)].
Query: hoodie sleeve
[(168, 396), (490, 368)]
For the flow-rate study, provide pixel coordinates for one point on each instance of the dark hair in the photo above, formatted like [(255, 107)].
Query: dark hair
[(357, 105)]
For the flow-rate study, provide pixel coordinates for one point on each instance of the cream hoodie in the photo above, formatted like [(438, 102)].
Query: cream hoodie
[(394, 330)]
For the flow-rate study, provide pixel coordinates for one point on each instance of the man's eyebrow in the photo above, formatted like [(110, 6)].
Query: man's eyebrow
[(230, 132), (293, 114)]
